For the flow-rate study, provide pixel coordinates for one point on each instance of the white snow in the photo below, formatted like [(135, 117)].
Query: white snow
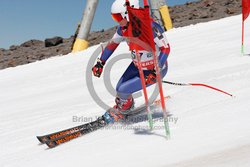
[(212, 129)]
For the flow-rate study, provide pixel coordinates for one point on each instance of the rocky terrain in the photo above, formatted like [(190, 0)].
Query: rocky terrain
[(182, 15)]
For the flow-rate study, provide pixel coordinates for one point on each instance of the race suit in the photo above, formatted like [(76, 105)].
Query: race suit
[(130, 81)]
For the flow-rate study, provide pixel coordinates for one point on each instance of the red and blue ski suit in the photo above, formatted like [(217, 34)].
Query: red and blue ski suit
[(130, 81)]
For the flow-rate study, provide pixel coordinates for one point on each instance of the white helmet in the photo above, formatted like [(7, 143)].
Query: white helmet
[(119, 7)]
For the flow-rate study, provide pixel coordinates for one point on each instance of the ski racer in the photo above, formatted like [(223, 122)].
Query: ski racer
[(130, 81)]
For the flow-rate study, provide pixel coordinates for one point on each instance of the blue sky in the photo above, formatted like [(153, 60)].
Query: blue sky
[(22, 20)]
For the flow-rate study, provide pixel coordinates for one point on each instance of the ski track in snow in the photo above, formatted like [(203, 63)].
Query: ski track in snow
[(212, 129)]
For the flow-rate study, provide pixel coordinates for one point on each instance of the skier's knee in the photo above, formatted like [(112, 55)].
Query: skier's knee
[(122, 92)]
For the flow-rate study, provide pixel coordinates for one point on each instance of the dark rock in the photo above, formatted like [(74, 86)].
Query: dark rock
[(204, 14), (1, 51), (53, 41), (213, 9), (228, 2), (208, 3), (32, 43), (13, 47), (231, 10)]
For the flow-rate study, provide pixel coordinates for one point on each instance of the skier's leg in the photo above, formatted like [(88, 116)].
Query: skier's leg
[(124, 101), (129, 83), (129, 74)]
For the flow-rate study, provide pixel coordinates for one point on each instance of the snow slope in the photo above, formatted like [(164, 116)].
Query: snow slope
[(212, 129)]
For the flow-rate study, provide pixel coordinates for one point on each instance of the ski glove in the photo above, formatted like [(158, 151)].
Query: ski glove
[(98, 68), (151, 77)]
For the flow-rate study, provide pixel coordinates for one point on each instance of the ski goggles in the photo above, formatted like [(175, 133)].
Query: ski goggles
[(117, 17)]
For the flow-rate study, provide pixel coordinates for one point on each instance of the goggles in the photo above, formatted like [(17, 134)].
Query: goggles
[(117, 17)]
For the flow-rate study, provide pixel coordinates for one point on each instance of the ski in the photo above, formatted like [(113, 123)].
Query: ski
[(73, 130), (82, 130), (56, 135), (85, 129), (67, 135), (54, 139)]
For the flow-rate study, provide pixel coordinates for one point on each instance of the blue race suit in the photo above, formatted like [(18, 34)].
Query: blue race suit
[(130, 81)]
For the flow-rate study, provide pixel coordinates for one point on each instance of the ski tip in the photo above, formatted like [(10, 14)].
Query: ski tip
[(51, 144), (42, 139)]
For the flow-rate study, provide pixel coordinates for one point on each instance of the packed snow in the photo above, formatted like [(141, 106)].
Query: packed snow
[(208, 127)]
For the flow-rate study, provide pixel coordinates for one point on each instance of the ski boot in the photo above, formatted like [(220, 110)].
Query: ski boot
[(122, 108)]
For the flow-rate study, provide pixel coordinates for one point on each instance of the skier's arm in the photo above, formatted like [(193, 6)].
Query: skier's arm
[(108, 51), (111, 47), (161, 41)]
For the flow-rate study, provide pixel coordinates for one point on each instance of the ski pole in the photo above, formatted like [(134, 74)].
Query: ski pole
[(149, 113), (159, 80), (163, 105), (198, 84)]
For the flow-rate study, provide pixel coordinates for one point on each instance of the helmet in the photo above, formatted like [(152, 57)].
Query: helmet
[(119, 9)]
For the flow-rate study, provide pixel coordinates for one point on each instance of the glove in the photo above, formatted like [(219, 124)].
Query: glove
[(151, 78), (98, 68)]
